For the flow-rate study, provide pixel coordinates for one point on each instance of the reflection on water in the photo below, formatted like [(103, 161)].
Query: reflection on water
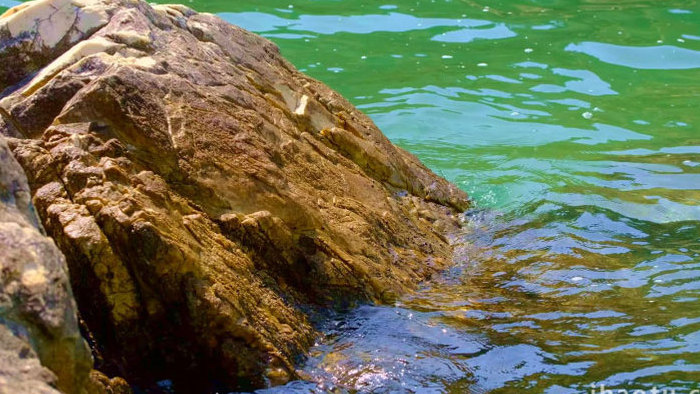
[(574, 125), (332, 24), (551, 298), (660, 57), (7, 4)]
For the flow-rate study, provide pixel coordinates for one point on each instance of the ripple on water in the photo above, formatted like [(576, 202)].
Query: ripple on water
[(354, 24), (8, 4), (495, 32), (661, 57), (533, 297)]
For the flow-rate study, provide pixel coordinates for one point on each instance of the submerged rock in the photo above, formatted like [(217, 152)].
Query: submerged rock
[(204, 192)]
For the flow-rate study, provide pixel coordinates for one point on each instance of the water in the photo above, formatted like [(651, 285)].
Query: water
[(575, 127)]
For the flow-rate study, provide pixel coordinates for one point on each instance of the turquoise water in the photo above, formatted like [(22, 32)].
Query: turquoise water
[(575, 127)]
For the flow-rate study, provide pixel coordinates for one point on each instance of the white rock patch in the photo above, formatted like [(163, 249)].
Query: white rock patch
[(32, 19), (72, 56)]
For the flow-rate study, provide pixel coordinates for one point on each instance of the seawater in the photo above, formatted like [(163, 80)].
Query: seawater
[(575, 127)]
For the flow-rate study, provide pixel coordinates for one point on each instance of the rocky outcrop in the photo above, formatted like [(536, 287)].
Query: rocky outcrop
[(37, 312), (204, 192)]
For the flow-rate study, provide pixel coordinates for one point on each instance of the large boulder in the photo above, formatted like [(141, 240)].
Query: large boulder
[(38, 321), (205, 193)]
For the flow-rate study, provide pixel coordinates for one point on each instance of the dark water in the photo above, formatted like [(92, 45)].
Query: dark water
[(575, 126)]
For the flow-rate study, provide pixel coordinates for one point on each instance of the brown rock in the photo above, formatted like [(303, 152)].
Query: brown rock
[(37, 311), (204, 191), (99, 383)]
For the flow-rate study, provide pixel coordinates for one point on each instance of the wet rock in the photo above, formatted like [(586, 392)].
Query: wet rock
[(204, 192)]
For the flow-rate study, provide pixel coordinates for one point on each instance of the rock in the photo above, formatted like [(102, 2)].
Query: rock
[(99, 383), (20, 368), (37, 310), (205, 193)]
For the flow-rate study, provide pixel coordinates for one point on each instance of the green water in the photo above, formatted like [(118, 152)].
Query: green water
[(575, 126)]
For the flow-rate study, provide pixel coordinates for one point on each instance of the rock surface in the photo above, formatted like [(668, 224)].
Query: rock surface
[(204, 192), (37, 312)]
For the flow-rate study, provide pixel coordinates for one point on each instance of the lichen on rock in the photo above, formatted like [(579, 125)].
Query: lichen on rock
[(205, 193)]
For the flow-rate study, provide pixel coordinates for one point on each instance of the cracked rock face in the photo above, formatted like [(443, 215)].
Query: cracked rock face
[(203, 191), (40, 346)]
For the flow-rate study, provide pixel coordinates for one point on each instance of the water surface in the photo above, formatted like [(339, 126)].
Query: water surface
[(575, 127)]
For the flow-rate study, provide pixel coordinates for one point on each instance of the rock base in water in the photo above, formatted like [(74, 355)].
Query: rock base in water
[(203, 190)]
